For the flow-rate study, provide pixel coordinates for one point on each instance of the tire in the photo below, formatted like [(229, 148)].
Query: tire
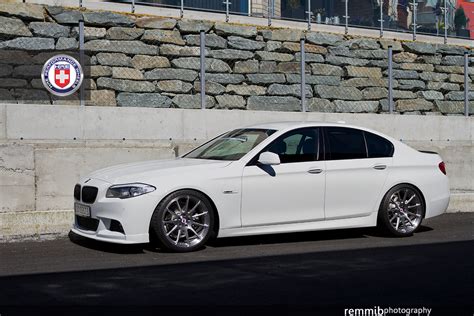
[(183, 221), (401, 211)]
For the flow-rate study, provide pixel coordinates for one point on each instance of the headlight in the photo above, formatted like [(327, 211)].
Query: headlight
[(125, 191)]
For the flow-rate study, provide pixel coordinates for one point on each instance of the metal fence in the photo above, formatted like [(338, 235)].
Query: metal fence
[(444, 18)]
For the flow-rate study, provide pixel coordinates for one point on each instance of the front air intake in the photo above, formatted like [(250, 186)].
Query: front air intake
[(87, 223), (115, 226)]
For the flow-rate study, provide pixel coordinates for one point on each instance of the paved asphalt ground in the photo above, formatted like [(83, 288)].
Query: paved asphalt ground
[(316, 271)]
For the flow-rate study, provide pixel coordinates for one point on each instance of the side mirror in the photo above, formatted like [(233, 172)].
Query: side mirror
[(269, 158)]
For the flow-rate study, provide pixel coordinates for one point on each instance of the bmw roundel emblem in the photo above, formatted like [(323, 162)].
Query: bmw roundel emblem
[(62, 75)]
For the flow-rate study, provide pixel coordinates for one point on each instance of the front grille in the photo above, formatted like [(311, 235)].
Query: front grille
[(87, 223), (77, 192), (89, 194)]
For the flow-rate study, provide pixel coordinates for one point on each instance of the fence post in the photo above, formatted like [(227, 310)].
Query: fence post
[(303, 75), (81, 61), (346, 30), (466, 83), (133, 6), (80, 3), (270, 3), (181, 9), (415, 5), (249, 4), (203, 68), (309, 15), (227, 3), (445, 22), (381, 18), (390, 79)]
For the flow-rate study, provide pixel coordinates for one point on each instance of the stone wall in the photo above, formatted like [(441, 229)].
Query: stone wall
[(154, 62)]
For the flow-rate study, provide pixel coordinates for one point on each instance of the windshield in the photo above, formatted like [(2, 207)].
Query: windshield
[(232, 145)]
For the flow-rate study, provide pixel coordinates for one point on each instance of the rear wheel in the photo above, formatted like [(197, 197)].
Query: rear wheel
[(402, 210), (183, 221)]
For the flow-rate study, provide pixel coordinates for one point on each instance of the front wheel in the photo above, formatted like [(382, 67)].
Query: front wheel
[(183, 221), (401, 210)]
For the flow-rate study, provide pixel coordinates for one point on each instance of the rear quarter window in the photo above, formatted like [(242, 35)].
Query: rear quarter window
[(377, 146)]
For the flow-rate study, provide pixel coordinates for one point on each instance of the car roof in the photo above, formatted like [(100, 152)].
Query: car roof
[(297, 124), (289, 125)]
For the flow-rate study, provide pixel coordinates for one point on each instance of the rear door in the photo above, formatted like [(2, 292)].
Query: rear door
[(357, 165)]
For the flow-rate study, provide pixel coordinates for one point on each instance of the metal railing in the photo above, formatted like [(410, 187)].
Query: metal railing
[(359, 14), (437, 21), (394, 18)]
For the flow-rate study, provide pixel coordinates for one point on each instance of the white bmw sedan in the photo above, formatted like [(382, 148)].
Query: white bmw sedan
[(265, 179)]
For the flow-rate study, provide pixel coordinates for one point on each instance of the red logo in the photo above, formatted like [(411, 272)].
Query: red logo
[(62, 75)]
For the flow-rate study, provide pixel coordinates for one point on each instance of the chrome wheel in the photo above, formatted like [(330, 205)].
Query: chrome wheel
[(405, 210), (185, 221)]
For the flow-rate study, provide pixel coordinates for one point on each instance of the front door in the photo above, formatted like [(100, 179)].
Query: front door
[(290, 192)]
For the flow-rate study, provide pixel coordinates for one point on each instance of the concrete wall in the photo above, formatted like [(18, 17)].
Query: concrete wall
[(45, 149)]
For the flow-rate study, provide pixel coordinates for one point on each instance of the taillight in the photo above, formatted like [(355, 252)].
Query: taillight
[(442, 167)]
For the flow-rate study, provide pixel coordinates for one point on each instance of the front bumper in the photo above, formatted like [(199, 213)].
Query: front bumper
[(132, 215)]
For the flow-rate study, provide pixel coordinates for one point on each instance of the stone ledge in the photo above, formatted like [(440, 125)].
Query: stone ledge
[(461, 202), (20, 225)]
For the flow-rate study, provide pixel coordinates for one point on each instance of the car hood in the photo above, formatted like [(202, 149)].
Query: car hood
[(143, 171)]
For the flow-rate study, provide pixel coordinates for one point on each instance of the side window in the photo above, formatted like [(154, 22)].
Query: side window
[(377, 146), (299, 145), (345, 143)]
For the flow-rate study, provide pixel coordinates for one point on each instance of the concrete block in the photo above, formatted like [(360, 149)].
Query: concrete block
[(58, 169), (15, 225), (43, 122), (185, 147), (207, 124), (317, 116), (458, 158), (411, 127), (455, 127), (461, 202), (379, 122), (194, 124), (3, 121), (17, 198), (257, 117), (132, 123), (16, 165)]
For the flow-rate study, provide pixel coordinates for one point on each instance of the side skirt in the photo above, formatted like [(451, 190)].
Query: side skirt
[(353, 222)]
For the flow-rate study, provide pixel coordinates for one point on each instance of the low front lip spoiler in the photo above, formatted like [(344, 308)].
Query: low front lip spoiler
[(107, 237)]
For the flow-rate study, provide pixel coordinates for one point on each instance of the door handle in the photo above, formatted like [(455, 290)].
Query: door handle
[(315, 170), (380, 167)]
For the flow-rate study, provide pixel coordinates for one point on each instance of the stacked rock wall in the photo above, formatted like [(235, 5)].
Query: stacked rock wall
[(154, 62)]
